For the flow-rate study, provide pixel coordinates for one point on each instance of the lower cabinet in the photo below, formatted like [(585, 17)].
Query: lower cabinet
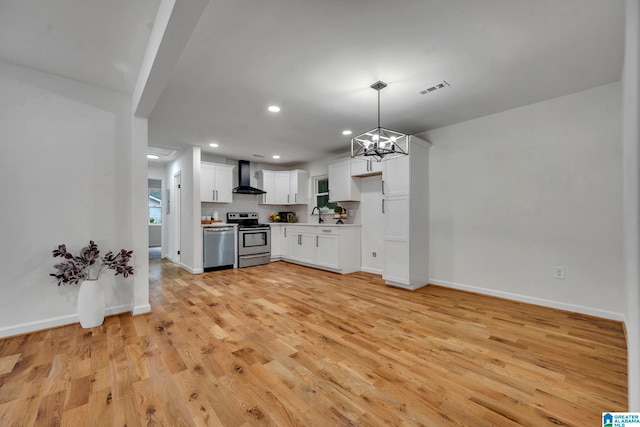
[(334, 248), (327, 249), (301, 246), (279, 242)]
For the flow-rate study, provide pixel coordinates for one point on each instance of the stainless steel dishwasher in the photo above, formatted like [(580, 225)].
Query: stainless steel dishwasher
[(219, 244)]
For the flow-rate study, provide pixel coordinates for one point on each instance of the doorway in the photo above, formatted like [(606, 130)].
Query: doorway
[(155, 218)]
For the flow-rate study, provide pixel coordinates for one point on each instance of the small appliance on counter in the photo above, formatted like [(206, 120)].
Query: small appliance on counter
[(288, 217)]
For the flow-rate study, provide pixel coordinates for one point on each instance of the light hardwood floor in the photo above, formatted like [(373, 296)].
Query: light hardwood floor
[(286, 345)]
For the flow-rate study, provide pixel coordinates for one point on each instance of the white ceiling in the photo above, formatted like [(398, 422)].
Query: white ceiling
[(93, 41), (317, 60)]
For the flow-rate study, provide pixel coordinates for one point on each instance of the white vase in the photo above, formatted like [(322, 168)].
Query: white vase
[(91, 304)]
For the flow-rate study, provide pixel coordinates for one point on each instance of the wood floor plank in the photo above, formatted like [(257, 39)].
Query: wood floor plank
[(286, 345)]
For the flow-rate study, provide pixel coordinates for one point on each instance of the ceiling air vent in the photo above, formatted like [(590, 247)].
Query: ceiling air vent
[(434, 88)]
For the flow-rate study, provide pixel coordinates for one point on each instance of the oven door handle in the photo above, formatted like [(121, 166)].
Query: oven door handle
[(253, 256)]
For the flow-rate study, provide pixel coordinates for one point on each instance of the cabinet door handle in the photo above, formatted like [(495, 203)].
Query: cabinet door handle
[(213, 194), (383, 186), (296, 198), (317, 246), (287, 198), (216, 194), (382, 205), (299, 239), (285, 232)]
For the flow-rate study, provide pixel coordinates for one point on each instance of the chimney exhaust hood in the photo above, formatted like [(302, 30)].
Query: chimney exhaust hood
[(244, 180)]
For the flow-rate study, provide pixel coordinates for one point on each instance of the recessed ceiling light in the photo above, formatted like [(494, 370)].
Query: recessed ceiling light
[(275, 156), (346, 132), (152, 157), (274, 108), (214, 145)]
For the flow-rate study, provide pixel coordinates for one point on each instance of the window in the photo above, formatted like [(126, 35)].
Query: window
[(155, 206), (321, 189)]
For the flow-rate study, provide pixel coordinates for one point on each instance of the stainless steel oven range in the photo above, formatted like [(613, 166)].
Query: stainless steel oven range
[(254, 239)]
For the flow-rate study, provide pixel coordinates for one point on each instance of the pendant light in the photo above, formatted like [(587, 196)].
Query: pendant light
[(380, 144)]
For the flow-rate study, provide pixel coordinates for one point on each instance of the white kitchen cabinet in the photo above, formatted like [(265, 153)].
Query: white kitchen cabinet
[(327, 248), (282, 196), (279, 241), (276, 242), (216, 183), (284, 187), (396, 177), (364, 168), (330, 247), (397, 238), (405, 206), (342, 186), (301, 244), (267, 182), (298, 187), (284, 245)]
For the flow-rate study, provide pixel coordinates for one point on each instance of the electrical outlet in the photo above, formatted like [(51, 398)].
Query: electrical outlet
[(559, 272), (373, 254)]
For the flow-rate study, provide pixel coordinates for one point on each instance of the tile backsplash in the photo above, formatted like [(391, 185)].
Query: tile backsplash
[(249, 203)]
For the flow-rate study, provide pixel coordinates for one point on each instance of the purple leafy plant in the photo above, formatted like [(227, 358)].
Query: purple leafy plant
[(88, 265)]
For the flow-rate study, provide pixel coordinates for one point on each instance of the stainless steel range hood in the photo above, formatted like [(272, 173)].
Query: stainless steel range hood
[(244, 179)]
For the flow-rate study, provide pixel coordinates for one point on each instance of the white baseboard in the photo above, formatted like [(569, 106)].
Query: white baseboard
[(55, 322), (371, 270), (533, 300), (40, 325), (192, 270), (141, 309)]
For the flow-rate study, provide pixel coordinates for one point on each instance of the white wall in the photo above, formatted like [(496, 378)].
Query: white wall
[(157, 171), (66, 165), (188, 165), (516, 193), (631, 186)]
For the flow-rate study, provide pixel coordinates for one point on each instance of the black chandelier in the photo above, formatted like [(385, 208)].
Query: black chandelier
[(380, 144)]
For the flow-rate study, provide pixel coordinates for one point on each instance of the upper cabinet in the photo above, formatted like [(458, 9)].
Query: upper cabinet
[(267, 181), (216, 183), (362, 168), (396, 177), (299, 186), (342, 186), (284, 187), (282, 194)]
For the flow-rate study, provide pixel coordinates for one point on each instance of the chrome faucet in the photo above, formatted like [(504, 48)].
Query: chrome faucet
[(320, 220)]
